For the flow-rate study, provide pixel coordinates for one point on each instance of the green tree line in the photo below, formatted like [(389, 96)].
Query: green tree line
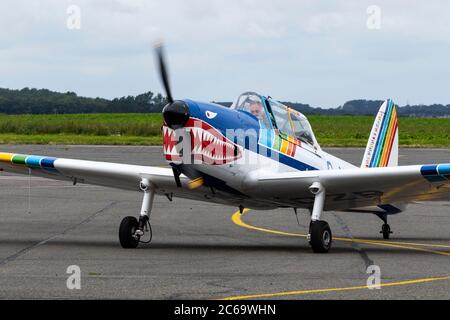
[(43, 101)]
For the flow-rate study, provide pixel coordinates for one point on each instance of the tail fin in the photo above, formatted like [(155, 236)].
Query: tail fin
[(382, 147)]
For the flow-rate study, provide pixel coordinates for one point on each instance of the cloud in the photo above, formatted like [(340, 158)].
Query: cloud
[(316, 52)]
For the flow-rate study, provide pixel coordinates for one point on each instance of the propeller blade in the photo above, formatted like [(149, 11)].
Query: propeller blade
[(163, 70)]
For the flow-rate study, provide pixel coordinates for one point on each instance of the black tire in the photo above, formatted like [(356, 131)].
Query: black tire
[(126, 230), (386, 231), (321, 237)]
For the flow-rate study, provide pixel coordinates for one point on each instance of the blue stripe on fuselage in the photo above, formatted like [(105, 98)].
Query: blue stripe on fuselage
[(291, 162)]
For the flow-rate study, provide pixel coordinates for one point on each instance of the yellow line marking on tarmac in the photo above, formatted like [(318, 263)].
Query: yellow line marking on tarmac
[(416, 244), (287, 293), (236, 219)]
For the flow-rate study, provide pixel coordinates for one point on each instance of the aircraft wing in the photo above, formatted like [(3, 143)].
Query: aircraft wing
[(115, 175), (359, 187)]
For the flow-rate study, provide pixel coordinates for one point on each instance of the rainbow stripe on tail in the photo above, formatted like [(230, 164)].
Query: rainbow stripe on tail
[(382, 147)]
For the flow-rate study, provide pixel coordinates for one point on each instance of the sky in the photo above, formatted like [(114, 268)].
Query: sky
[(323, 53)]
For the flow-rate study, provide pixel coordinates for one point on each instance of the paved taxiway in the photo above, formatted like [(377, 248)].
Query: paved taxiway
[(198, 251)]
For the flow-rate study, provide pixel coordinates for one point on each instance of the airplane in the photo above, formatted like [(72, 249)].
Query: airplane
[(257, 154)]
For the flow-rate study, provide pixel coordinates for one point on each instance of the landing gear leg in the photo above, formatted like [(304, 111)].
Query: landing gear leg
[(385, 228), (131, 230), (320, 237)]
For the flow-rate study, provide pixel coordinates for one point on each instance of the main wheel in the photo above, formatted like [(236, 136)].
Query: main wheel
[(386, 231), (320, 236), (127, 228)]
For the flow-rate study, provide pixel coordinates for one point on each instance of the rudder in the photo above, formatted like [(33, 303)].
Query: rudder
[(382, 147)]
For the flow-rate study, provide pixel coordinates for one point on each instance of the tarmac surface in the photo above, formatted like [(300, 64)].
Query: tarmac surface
[(199, 252)]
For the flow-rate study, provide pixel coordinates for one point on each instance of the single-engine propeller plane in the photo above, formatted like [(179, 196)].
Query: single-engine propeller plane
[(257, 154)]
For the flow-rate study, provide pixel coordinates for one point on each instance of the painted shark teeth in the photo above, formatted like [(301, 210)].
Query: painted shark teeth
[(207, 144)]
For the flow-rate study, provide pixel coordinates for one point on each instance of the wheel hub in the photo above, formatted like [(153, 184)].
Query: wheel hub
[(326, 238)]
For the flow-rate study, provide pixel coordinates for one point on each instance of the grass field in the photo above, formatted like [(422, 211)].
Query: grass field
[(144, 129)]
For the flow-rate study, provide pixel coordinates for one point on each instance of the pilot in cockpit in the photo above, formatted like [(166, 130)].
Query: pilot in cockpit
[(256, 108)]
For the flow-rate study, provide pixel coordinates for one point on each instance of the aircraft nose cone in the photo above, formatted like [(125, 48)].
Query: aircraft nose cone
[(176, 114)]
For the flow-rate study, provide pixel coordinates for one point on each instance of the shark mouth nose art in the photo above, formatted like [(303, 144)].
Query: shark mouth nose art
[(207, 144)]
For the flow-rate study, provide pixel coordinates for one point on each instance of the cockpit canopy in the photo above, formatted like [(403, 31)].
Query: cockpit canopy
[(289, 123)]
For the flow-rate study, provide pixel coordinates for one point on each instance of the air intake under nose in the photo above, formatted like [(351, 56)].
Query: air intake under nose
[(176, 114)]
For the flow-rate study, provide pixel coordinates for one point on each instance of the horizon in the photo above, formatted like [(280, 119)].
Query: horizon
[(231, 101)]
